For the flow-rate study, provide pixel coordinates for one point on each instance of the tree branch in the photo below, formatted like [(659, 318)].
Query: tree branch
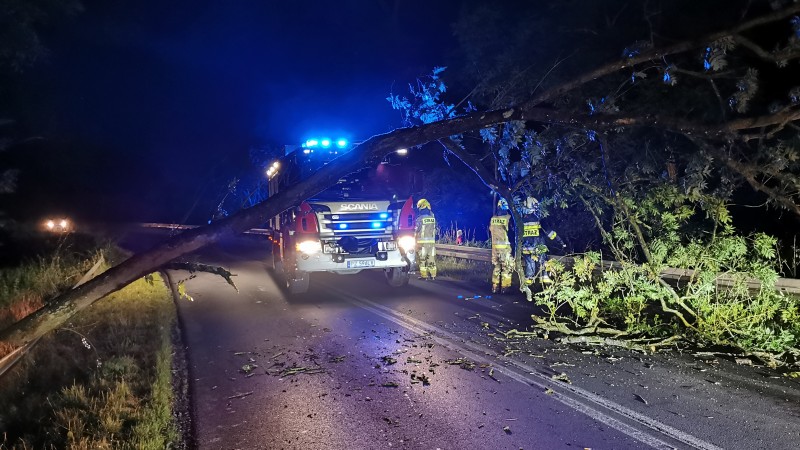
[(659, 53)]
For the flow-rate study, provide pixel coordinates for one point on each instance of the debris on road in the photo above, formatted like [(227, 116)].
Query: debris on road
[(420, 378), (241, 395), (462, 362), (562, 377), (640, 398), (298, 370), (247, 368)]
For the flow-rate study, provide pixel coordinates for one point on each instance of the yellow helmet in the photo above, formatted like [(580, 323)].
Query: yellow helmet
[(423, 204)]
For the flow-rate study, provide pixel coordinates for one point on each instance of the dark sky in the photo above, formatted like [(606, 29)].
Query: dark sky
[(187, 87)]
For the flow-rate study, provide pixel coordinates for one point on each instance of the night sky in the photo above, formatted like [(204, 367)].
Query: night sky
[(163, 99)]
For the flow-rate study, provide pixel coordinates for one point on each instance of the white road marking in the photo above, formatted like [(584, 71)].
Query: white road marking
[(586, 402)]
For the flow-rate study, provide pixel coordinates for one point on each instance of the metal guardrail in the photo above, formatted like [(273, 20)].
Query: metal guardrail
[(788, 285), (175, 226)]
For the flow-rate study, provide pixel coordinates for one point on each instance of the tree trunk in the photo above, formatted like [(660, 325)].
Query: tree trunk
[(370, 153)]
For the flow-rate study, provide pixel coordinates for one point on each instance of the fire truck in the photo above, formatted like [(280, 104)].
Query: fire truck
[(363, 222)]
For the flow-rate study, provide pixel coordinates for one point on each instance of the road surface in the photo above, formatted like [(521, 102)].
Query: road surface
[(357, 364)]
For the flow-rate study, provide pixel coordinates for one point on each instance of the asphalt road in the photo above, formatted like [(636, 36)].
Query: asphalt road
[(357, 364)]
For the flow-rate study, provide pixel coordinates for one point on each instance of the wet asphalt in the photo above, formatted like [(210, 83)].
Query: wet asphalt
[(357, 364)]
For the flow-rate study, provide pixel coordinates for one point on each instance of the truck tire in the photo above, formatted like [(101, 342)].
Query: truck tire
[(299, 283), (397, 276)]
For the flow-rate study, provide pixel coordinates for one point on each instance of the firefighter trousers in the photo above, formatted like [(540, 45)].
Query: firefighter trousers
[(534, 251), (503, 267), (426, 259)]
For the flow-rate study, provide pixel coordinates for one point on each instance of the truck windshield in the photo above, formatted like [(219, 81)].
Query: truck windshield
[(366, 184)]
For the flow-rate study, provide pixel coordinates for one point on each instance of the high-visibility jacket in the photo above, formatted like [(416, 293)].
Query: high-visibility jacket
[(531, 228), (425, 229), (498, 227)]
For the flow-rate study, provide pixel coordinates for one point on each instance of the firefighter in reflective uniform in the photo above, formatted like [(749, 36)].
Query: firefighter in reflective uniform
[(534, 248), (425, 232), (502, 261)]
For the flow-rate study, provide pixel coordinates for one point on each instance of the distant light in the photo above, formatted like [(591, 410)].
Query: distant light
[(51, 224), (384, 215), (402, 151), (377, 224), (276, 164), (341, 143), (63, 223), (312, 143), (306, 151), (325, 143), (342, 226)]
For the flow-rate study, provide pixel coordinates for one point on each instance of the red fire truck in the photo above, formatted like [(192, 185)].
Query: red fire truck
[(363, 222)]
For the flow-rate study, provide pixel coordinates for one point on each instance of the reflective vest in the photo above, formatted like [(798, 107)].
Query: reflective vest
[(426, 229), (531, 229), (498, 226)]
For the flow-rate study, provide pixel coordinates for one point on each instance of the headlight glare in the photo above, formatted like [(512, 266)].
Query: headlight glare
[(308, 247), (407, 243)]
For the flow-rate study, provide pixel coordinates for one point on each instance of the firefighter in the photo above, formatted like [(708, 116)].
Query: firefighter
[(425, 232), (534, 248), (502, 261)]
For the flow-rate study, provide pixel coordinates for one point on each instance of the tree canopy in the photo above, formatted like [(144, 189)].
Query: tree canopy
[(695, 112)]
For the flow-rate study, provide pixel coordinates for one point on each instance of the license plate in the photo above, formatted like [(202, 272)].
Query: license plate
[(360, 263)]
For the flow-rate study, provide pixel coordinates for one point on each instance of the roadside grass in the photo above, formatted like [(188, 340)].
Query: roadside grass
[(464, 269), (103, 381), (43, 274)]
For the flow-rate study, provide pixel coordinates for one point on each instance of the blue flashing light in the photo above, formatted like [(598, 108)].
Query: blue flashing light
[(377, 224), (342, 226), (312, 143), (384, 215), (341, 143), (325, 143)]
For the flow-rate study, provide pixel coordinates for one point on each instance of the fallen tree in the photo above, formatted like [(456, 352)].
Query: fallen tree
[(441, 124)]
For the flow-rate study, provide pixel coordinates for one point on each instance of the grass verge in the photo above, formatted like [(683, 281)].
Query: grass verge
[(103, 381), (464, 269)]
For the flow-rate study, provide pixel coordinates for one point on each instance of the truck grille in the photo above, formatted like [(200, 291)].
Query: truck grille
[(363, 224)]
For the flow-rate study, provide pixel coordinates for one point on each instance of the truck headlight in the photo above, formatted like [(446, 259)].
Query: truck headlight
[(308, 247), (407, 243)]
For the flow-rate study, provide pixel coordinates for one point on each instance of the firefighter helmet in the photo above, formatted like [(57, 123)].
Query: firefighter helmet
[(502, 204), (423, 204)]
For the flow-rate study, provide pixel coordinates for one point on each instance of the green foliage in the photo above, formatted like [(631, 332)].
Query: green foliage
[(713, 303)]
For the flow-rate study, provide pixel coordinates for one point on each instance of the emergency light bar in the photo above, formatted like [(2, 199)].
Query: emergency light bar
[(325, 143)]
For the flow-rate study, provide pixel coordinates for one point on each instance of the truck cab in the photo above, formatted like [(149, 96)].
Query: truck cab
[(360, 223)]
